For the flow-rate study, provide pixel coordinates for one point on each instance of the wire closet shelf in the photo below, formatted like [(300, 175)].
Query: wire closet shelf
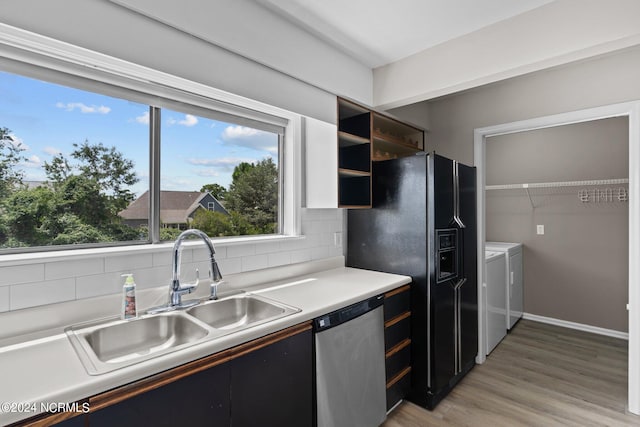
[(619, 194)]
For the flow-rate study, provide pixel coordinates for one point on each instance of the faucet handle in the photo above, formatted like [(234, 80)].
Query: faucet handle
[(214, 288), (187, 288)]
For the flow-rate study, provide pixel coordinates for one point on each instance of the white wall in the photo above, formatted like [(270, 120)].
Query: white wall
[(35, 282), (603, 80), (557, 33), (312, 73)]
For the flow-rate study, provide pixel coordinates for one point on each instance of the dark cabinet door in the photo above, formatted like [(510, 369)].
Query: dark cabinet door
[(201, 399), (78, 421), (273, 386)]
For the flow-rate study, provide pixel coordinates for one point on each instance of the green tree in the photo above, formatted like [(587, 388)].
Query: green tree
[(80, 204), (216, 190), (24, 213), (10, 157), (111, 172), (254, 194), (217, 224), (240, 170)]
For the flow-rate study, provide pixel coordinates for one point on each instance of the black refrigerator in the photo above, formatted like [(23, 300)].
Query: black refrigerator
[(423, 224)]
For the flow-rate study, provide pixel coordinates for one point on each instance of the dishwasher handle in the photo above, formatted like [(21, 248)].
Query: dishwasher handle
[(345, 314)]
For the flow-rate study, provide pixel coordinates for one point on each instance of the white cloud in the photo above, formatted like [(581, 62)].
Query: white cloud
[(208, 172), (233, 132), (176, 183), (143, 119), (188, 121), (84, 109), (52, 151), (221, 162), (251, 138), (17, 142), (32, 162)]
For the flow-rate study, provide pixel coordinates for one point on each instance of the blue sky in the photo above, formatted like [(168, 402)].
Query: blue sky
[(46, 119)]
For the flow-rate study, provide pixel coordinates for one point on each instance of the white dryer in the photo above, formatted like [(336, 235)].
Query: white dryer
[(514, 278), (495, 300)]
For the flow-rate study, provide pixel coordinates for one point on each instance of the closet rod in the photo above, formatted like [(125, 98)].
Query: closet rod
[(559, 184)]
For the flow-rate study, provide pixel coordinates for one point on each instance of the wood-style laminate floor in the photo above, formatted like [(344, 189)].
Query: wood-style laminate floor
[(539, 375)]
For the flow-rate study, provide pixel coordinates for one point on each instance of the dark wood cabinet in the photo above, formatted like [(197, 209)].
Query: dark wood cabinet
[(201, 399), (397, 338), (273, 386), (268, 381)]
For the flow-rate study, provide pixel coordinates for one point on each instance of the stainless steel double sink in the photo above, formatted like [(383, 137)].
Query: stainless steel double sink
[(110, 344)]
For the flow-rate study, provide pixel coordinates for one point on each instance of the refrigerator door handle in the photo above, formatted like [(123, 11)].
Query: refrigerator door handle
[(456, 196), (460, 283)]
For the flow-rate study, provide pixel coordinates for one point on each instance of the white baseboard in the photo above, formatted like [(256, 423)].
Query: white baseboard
[(578, 326)]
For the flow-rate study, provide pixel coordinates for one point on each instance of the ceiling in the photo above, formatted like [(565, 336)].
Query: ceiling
[(378, 32)]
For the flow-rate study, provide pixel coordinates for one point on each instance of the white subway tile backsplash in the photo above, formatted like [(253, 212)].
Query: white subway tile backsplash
[(39, 283), (336, 251), (41, 293), (151, 277), (164, 258), (235, 251), (4, 299), (76, 268), (291, 245), (320, 252), (326, 239), (230, 266), (98, 285), (128, 262), (321, 214), (267, 247), (276, 259), (255, 262), (202, 253), (300, 255), (27, 273)]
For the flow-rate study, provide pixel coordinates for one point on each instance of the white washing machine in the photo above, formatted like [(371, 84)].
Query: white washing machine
[(495, 299), (514, 278)]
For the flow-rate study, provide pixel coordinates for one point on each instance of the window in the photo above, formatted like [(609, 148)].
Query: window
[(229, 169), (76, 169), (70, 162)]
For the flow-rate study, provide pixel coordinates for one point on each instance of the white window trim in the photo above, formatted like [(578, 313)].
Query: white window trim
[(33, 49)]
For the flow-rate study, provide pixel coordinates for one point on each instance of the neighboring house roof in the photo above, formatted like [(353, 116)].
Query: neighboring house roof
[(176, 207)]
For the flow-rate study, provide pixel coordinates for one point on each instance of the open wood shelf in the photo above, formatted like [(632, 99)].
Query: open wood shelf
[(365, 136), (347, 139), (352, 173)]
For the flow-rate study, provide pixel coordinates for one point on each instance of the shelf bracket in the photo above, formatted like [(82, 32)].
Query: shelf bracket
[(526, 188)]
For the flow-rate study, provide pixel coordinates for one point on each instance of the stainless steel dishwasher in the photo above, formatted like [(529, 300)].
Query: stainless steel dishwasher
[(350, 367)]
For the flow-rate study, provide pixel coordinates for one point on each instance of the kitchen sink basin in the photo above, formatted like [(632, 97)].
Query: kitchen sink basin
[(240, 312), (105, 346), (110, 344)]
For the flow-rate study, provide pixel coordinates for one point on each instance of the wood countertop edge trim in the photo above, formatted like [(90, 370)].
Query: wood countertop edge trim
[(398, 347), (398, 377), (48, 419), (397, 319), (398, 291)]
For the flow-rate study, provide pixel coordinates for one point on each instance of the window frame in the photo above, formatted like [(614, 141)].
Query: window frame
[(35, 56)]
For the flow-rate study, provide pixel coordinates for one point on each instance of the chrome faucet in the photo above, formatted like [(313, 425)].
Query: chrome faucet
[(177, 289)]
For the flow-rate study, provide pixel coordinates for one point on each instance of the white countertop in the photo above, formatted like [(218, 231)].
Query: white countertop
[(47, 370)]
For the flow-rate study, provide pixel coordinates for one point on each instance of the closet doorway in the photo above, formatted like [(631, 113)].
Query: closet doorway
[(556, 186)]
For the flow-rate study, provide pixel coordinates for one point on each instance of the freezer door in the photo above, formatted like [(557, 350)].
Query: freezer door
[(443, 194)]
